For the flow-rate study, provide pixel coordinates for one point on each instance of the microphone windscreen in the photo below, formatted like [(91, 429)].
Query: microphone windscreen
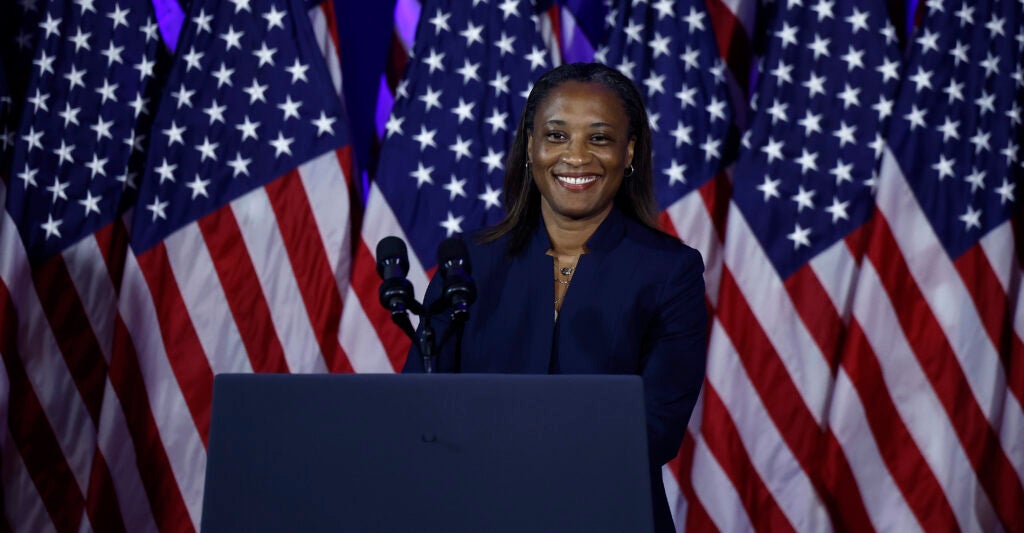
[(453, 248), (391, 248)]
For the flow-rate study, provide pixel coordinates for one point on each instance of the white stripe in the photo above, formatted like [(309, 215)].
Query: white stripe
[(1000, 252), (323, 180), (693, 224), (676, 500), (196, 279), (359, 338), (258, 226), (948, 299), (119, 453), (185, 450), (918, 406), (318, 19), (768, 452), (89, 273), (745, 11), (764, 292), (23, 507), (716, 492), (836, 269), (883, 500), (380, 221), (48, 374)]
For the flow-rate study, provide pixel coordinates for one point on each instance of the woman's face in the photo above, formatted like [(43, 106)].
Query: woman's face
[(579, 148)]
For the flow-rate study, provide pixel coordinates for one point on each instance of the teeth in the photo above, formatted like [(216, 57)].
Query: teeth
[(576, 181)]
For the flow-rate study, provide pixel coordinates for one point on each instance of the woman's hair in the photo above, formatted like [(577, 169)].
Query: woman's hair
[(522, 199)]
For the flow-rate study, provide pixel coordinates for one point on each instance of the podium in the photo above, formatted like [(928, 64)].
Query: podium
[(441, 452)]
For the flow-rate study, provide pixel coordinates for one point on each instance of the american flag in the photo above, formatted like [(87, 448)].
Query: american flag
[(933, 360), (443, 156), (802, 187), (232, 257), (74, 159)]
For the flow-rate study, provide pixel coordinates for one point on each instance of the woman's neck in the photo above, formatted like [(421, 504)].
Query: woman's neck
[(569, 236)]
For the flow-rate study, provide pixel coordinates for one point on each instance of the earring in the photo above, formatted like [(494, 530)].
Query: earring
[(630, 170)]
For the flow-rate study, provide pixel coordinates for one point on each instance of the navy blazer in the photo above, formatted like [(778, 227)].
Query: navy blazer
[(635, 305)]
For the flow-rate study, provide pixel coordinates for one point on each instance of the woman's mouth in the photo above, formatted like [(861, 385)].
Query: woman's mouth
[(576, 182)]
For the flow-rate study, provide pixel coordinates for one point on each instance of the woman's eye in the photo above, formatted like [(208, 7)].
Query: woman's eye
[(555, 136)]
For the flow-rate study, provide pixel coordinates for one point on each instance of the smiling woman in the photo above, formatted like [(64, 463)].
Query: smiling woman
[(580, 242)]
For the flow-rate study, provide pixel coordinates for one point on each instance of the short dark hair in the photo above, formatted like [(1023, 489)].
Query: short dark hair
[(521, 197)]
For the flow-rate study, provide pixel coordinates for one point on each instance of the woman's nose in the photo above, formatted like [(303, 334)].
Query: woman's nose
[(575, 153)]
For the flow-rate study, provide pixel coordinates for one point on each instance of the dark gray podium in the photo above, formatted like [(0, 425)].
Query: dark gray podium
[(452, 453)]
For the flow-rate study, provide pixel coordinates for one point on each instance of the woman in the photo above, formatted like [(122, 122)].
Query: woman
[(577, 279)]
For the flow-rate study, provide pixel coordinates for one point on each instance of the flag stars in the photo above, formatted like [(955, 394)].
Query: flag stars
[(655, 84), (500, 83), (824, 9), (690, 58), (537, 58), (106, 92), (800, 237), (469, 71), (90, 203), (119, 16), (58, 190), (711, 148), (422, 175), (184, 96), (145, 68), (838, 210), (770, 188), (198, 187), (434, 61), (215, 112), (464, 110), (819, 46), (157, 208), (504, 44), (944, 167), (425, 137), (472, 34), (687, 96), (986, 103), (51, 26), (923, 78), (75, 78), (97, 166), (452, 224), (787, 35), (954, 91), (853, 58), (959, 53), (971, 219), (282, 145), (815, 85), (248, 129), (990, 64), (804, 198), (694, 20), (102, 128), (889, 70), (33, 138), (298, 71), (850, 96), (928, 40), (682, 134), (431, 99), (783, 73), (995, 26), (807, 161), (845, 134), (150, 30), (440, 22), (842, 172), (976, 178), (39, 101), (255, 92), (81, 40), (202, 22), (1005, 192), (455, 188), (232, 38), (51, 226), (274, 18), (207, 149), (491, 197), (239, 165), (497, 120), (659, 45), (676, 173), (223, 75), (289, 108), (394, 126), (965, 14), (28, 177), (461, 148), (980, 140), (113, 54), (324, 124), (778, 111), (45, 63), (773, 150), (811, 123), (192, 59), (858, 21), (494, 160), (63, 153), (916, 117), (716, 109)]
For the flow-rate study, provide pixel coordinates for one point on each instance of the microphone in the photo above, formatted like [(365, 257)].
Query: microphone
[(396, 292), (459, 290)]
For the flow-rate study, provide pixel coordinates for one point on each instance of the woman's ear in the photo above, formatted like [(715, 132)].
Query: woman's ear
[(629, 150)]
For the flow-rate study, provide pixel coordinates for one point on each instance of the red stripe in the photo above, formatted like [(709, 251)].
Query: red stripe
[(993, 307), (939, 363), (398, 58), (909, 469), (816, 311), (101, 499), (733, 43), (717, 193), (32, 434), (365, 282), (697, 518), (184, 352), (312, 269), (332, 24), (724, 442), (555, 16), (779, 394), (845, 500), (242, 288), (165, 498), (73, 332)]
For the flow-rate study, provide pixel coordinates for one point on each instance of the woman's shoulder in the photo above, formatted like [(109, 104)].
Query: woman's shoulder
[(652, 241)]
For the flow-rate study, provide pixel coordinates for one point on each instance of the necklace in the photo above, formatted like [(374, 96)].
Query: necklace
[(563, 283)]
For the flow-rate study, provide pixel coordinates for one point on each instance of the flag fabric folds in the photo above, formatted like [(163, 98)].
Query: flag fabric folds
[(933, 357), (443, 157), (119, 307)]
